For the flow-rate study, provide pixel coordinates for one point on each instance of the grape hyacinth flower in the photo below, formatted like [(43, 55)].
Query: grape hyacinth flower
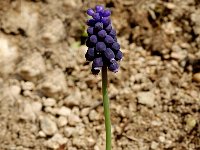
[(102, 42), (104, 52)]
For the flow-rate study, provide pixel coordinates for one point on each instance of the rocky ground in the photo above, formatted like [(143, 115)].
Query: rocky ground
[(50, 100)]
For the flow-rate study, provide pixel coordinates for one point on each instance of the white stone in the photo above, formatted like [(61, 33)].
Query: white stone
[(179, 55), (53, 84), (27, 112), (32, 66), (93, 115), (161, 139), (85, 112), (36, 107), (41, 134), (28, 85), (73, 99), (24, 16), (49, 102), (15, 90), (79, 142), (53, 31), (48, 126), (8, 54), (64, 111), (73, 119), (154, 145), (69, 131), (146, 98), (56, 141), (62, 121)]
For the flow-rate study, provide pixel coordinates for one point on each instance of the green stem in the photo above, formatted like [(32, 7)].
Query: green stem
[(106, 107)]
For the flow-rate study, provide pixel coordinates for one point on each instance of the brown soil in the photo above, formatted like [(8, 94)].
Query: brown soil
[(50, 100)]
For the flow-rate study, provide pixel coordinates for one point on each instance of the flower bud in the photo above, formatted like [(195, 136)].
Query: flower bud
[(90, 12), (99, 26), (116, 46), (119, 55), (100, 46), (106, 13), (102, 34), (109, 40), (109, 54), (90, 54)]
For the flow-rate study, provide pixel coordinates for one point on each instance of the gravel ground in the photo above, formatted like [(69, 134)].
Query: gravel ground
[(50, 100)]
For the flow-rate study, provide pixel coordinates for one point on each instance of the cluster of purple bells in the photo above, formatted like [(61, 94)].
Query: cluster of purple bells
[(103, 48)]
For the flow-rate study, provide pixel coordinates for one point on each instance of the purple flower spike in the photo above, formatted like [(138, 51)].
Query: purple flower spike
[(90, 12), (99, 8), (103, 48), (106, 13)]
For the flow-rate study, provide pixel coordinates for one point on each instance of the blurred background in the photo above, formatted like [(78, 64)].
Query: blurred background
[(50, 100)]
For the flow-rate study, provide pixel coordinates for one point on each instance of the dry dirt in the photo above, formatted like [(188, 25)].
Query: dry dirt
[(50, 100)]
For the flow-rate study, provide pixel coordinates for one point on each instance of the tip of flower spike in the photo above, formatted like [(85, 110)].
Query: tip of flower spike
[(99, 8), (90, 12)]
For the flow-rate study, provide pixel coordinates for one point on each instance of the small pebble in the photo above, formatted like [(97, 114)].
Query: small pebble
[(146, 98), (49, 102), (73, 119), (62, 121), (196, 77), (93, 115), (56, 141), (85, 112), (48, 126), (64, 111)]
